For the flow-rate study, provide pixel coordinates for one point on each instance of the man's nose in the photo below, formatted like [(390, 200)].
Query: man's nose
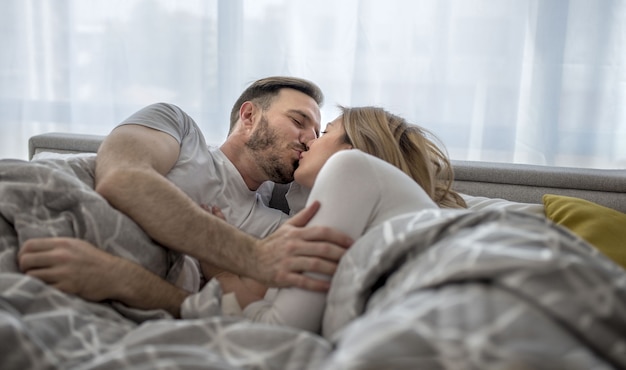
[(307, 137), (308, 144)]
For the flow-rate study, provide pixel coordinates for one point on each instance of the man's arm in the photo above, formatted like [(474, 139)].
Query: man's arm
[(130, 173), (74, 266)]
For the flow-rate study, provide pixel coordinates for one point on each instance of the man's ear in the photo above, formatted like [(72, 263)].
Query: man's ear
[(247, 114)]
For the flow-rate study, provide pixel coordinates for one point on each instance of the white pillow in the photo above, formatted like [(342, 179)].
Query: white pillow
[(480, 203), (297, 196), (56, 155)]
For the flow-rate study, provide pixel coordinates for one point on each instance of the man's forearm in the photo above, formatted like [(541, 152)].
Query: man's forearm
[(170, 217), (77, 267), (140, 288)]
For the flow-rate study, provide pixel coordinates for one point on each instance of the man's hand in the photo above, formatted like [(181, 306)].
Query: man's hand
[(293, 249), (77, 267), (71, 265)]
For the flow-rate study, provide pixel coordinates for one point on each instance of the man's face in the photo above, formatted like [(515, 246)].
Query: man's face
[(280, 135)]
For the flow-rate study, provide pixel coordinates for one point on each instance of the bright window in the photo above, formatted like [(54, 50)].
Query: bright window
[(539, 82)]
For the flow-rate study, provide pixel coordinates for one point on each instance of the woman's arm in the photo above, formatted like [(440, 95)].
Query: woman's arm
[(356, 192), (348, 196)]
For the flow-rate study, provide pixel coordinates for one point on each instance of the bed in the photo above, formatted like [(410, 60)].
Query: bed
[(423, 290)]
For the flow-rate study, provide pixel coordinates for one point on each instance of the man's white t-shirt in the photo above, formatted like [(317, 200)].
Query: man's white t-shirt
[(207, 176)]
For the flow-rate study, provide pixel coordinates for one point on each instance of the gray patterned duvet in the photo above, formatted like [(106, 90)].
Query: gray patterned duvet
[(430, 290)]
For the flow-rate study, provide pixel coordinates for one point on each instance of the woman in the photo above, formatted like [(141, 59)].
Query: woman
[(367, 167)]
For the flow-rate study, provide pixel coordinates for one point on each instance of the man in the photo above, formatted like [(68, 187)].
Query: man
[(155, 168)]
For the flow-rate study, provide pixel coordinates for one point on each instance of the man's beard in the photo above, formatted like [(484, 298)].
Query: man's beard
[(262, 144)]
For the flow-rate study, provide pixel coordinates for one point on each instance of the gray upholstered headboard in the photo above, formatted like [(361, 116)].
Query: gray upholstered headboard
[(59, 142), (514, 182), (527, 183)]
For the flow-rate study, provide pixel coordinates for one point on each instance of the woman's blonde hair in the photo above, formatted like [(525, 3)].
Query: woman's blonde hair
[(408, 147)]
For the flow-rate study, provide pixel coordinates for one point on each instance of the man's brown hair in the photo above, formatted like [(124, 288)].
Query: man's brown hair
[(263, 91)]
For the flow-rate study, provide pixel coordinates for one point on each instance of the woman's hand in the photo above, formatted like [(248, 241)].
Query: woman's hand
[(246, 290), (214, 210)]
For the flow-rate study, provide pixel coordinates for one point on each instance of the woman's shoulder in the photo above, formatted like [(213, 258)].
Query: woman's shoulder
[(359, 166), (350, 155), (356, 157), (356, 163)]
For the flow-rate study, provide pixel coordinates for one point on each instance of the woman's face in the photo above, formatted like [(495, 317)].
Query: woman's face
[(311, 161)]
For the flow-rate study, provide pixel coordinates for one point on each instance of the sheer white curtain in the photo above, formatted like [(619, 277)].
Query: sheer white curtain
[(497, 80)]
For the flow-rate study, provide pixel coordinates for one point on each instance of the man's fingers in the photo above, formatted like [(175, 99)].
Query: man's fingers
[(41, 253), (31, 261), (326, 234), (46, 275), (35, 245), (307, 282), (37, 259), (319, 251), (313, 265), (304, 216), (294, 250)]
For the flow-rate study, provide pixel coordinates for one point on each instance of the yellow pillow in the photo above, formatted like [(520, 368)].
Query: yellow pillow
[(603, 227)]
